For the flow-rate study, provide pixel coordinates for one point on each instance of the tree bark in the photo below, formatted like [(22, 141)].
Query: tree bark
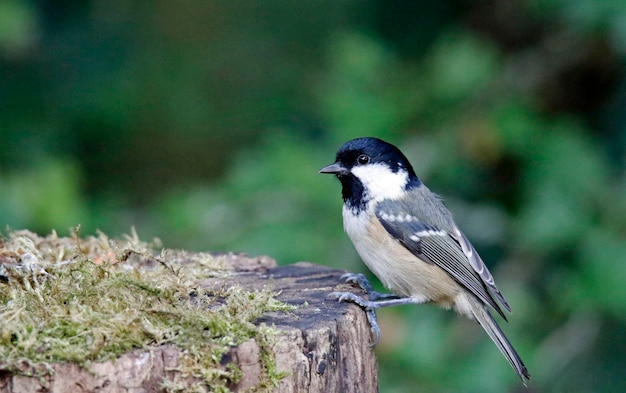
[(322, 346)]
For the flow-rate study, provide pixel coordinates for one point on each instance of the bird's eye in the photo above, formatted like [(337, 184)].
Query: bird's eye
[(363, 159)]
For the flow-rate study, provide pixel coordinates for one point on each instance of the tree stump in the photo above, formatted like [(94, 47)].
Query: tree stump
[(321, 345)]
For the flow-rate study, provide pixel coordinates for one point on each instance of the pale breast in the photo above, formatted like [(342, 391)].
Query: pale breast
[(396, 267)]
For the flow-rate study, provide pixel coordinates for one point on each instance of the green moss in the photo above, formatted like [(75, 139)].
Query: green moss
[(271, 376), (93, 299)]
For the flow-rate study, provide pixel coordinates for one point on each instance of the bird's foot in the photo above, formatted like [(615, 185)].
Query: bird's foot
[(367, 305), (361, 281), (374, 328), (352, 298)]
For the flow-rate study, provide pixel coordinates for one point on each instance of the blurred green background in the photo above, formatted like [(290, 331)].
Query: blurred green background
[(204, 123)]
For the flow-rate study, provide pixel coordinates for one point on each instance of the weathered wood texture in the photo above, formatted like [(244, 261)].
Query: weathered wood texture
[(322, 345)]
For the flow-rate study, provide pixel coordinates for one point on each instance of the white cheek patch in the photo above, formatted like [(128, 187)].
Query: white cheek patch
[(381, 182)]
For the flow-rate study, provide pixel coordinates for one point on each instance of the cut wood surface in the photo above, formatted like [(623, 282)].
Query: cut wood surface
[(321, 346)]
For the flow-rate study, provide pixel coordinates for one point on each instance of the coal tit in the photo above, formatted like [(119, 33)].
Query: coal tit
[(409, 240)]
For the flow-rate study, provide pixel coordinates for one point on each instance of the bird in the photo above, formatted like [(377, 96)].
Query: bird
[(408, 238)]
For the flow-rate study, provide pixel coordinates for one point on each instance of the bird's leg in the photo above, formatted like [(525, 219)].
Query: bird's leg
[(367, 305), (375, 300), (360, 280)]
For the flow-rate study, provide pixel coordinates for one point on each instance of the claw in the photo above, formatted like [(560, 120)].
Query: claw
[(358, 279), (374, 328), (368, 306), (351, 297), (362, 282), (374, 300)]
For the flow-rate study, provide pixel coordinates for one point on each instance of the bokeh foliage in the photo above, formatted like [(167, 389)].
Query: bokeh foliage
[(204, 123)]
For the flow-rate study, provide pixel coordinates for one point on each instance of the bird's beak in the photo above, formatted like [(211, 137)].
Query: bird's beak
[(335, 168)]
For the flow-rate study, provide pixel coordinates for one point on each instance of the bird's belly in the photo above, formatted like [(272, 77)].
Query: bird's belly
[(396, 267)]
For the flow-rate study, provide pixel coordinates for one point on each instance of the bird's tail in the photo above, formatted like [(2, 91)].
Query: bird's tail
[(487, 322)]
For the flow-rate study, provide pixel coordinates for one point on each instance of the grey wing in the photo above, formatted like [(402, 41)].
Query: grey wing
[(479, 266), (443, 249)]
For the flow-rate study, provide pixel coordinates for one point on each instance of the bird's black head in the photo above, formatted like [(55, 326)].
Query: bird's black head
[(371, 169)]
